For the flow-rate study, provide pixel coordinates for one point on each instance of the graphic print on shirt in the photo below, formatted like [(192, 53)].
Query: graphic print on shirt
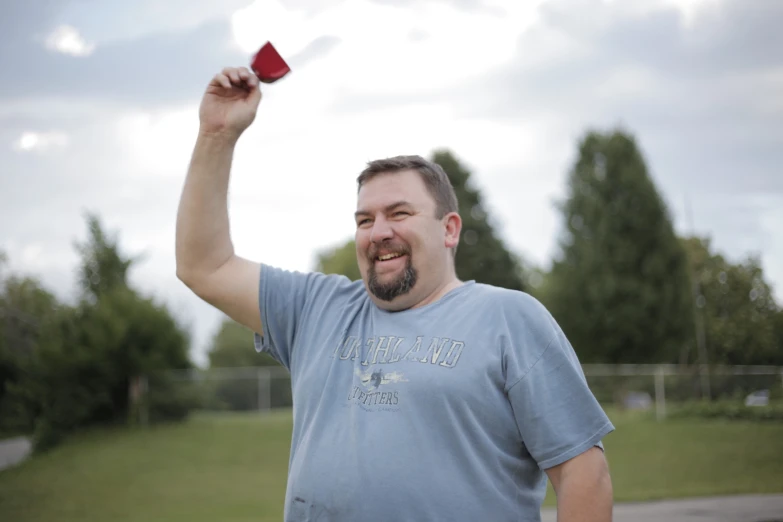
[(380, 387), (368, 393)]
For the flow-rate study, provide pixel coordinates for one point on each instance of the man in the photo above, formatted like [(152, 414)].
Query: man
[(417, 396)]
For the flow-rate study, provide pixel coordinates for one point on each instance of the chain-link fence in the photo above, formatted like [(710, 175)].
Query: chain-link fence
[(224, 389), (654, 388), (665, 388)]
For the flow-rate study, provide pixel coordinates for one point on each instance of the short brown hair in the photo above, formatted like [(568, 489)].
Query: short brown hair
[(433, 175)]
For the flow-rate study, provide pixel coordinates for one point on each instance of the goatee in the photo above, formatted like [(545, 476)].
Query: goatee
[(400, 285)]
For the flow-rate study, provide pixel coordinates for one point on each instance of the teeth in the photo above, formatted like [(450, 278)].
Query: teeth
[(388, 256)]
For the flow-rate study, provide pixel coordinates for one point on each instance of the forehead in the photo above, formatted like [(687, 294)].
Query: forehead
[(388, 188)]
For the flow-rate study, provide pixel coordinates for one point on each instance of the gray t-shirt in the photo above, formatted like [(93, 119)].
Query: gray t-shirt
[(446, 412)]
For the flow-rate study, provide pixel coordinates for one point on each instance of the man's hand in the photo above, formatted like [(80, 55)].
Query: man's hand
[(583, 488), (230, 103)]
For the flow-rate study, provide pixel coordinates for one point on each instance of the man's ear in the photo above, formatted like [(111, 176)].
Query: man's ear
[(453, 229)]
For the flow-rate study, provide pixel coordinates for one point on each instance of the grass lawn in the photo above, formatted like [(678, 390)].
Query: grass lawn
[(232, 468)]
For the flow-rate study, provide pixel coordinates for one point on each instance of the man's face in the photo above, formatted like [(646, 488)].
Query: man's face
[(401, 246)]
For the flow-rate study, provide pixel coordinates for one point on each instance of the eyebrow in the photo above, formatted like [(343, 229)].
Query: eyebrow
[(387, 208)]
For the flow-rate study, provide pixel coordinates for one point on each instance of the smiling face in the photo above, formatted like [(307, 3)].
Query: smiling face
[(403, 249)]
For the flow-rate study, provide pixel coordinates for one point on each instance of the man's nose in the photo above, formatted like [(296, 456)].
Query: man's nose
[(381, 231)]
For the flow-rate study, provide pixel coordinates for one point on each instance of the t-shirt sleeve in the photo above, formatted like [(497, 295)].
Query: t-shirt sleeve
[(286, 300), (556, 412)]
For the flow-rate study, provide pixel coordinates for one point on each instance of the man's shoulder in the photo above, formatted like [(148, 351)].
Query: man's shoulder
[(509, 301), (314, 284), (341, 287), (520, 312)]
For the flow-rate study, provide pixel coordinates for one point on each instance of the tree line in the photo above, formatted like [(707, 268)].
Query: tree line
[(624, 287), (67, 366)]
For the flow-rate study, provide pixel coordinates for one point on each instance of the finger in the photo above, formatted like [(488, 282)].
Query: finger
[(233, 75), (222, 81), (249, 80), (230, 73)]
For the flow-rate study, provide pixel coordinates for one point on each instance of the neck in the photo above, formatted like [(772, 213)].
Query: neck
[(449, 284)]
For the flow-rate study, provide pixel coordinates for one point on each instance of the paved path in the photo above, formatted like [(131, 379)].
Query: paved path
[(747, 508), (13, 451)]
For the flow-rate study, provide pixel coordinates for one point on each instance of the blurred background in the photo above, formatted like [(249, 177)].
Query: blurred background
[(618, 160)]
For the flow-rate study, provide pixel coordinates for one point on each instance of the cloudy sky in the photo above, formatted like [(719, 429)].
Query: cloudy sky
[(98, 112)]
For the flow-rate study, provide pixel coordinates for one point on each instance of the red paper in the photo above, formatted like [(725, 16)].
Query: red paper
[(268, 65)]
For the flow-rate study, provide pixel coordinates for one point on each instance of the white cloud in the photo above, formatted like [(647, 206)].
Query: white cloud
[(268, 20), (32, 255), (67, 40), (376, 53), (690, 9), (40, 141), (158, 143), (116, 22)]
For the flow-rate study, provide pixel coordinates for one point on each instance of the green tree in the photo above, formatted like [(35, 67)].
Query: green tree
[(66, 367), (537, 281), (232, 347), (620, 286), (482, 255), (737, 307), (340, 259), (103, 267), (27, 313), (103, 345)]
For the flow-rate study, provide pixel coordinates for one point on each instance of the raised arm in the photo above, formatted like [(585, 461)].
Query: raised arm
[(206, 261)]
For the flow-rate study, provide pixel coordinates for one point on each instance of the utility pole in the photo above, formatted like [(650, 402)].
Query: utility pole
[(699, 302)]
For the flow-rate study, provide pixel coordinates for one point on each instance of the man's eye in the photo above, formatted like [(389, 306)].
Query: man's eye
[(401, 213), (362, 222)]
